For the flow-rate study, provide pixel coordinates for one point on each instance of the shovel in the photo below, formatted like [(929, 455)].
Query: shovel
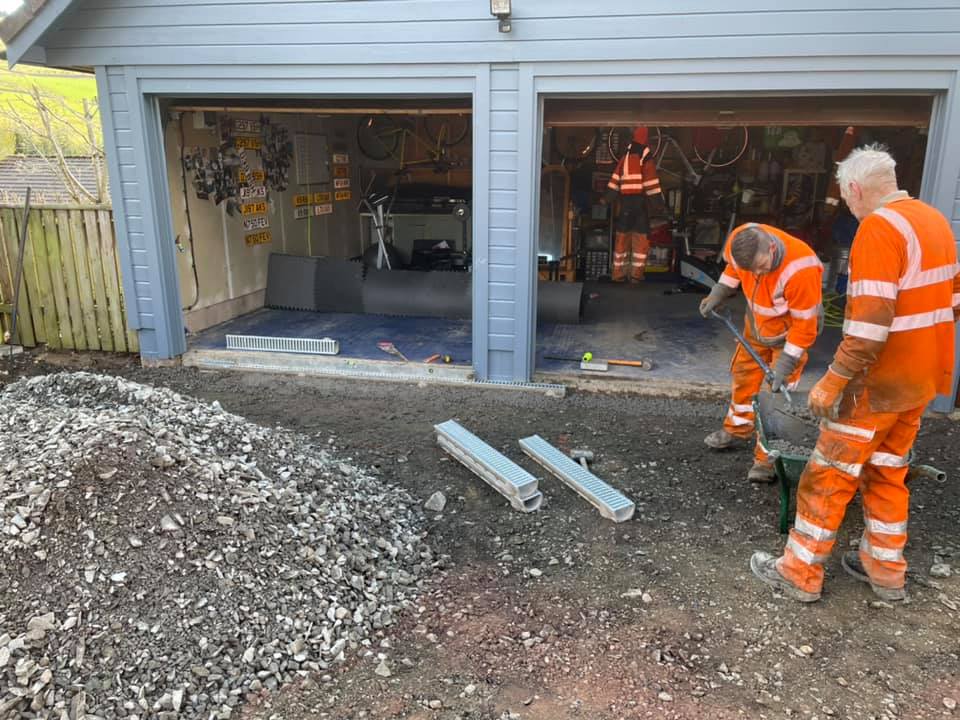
[(391, 349), (767, 372)]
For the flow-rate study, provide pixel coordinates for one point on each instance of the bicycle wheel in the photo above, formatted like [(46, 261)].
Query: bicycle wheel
[(378, 136), (574, 144), (730, 148), (618, 138), (446, 130)]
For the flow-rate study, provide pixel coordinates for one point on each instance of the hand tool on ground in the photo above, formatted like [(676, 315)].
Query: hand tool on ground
[(584, 457), (443, 357), (390, 349), (588, 363), (767, 372)]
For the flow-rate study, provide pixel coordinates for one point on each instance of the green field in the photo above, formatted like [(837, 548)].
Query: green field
[(58, 88)]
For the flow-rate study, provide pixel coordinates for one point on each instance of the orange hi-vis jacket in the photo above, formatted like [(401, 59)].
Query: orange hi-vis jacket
[(785, 301), (903, 297), (635, 175)]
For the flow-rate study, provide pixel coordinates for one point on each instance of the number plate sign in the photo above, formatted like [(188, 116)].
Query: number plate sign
[(326, 209), (247, 143), (260, 238), (341, 171), (251, 193), (321, 197), (251, 127), (301, 200), (256, 223), (341, 183), (343, 195), (301, 213), (259, 208), (258, 177), (341, 158)]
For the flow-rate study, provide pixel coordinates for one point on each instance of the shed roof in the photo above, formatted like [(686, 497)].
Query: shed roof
[(18, 172), (16, 21)]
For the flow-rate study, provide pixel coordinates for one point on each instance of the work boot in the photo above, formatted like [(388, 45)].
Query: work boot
[(721, 440), (764, 566), (854, 566), (762, 472)]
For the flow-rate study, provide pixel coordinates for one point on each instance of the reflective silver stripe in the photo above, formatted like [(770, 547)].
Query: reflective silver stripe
[(922, 320), (852, 469), (868, 331), (730, 282), (900, 223), (737, 420), (873, 288), (885, 528), (650, 183), (741, 408), (768, 311), (882, 554), (805, 555), (805, 314), (793, 350), (931, 277), (882, 459), (849, 430), (801, 524), (792, 268)]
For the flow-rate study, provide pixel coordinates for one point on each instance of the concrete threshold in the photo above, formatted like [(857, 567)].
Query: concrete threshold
[(357, 368)]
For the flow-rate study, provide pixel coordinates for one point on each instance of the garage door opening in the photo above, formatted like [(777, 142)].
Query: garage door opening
[(721, 161), (324, 231)]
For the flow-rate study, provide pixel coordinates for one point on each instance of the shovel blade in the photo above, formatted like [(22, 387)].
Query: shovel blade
[(787, 421)]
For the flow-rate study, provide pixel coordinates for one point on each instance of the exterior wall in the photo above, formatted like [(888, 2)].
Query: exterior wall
[(385, 46)]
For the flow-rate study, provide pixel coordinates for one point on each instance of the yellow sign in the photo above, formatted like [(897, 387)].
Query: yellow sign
[(343, 195), (247, 143), (320, 198), (260, 238), (259, 208), (258, 176), (301, 200), (341, 171)]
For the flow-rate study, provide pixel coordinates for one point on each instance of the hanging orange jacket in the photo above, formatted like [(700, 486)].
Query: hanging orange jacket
[(902, 299), (635, 175), (785, 302)]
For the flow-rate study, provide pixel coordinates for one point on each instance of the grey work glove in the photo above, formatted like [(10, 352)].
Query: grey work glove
[(782, 369), (718, 295)]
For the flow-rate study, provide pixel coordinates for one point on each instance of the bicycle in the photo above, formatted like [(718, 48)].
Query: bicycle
[(383, 137)]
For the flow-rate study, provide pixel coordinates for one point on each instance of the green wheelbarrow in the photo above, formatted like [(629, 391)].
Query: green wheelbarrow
[(789, 440)]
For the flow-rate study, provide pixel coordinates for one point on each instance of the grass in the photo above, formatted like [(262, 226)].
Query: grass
[(59, 87)]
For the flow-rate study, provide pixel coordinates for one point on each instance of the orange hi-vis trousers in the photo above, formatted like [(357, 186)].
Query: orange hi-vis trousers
[(862, 449), (747, 379), (630, 249)]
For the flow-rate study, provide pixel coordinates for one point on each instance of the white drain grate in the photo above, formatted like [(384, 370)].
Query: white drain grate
[(309, 346)]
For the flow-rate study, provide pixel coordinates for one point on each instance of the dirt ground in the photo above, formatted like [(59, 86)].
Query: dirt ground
[(562, 614)]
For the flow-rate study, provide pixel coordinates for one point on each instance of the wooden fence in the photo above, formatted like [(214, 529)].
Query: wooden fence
[(70, 295)]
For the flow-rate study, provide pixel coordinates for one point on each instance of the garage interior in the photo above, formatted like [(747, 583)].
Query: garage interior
[(340, 220), (722, 161)]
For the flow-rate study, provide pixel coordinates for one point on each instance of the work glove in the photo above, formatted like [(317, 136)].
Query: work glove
[(782, 369), (718, 295), (824, 398)]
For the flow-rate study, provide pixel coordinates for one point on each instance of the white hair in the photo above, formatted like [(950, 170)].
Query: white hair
[(867, 165)]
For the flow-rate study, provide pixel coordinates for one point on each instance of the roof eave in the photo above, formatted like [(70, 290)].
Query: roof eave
[(22, 30)]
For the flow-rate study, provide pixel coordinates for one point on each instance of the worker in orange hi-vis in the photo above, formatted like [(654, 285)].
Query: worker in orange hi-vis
[(641, 198), (781, 279), (897, 353)]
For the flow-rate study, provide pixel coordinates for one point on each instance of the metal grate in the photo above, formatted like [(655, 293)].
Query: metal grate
[(611, 503), (309, 346), (502, 474)]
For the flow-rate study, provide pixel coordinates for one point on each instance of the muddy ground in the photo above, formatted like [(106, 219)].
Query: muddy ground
[(561, 614)]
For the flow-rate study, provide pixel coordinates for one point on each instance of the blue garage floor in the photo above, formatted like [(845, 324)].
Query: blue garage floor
[(627, 322)]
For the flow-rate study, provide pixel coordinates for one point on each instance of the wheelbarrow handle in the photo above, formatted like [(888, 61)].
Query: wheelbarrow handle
[(767, 372)]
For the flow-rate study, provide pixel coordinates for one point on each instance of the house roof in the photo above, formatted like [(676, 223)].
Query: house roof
[(47, 186), (16, 21)]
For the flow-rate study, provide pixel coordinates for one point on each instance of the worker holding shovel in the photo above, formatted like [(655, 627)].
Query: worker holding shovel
[(897, 352), (781, 280)]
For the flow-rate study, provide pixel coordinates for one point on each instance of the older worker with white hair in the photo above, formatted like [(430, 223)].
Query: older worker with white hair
[(897, 353)]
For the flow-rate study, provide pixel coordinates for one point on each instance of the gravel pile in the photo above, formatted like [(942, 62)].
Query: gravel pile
[(160, 557)]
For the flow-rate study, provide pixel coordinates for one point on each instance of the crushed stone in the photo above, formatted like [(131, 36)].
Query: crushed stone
[(164, 558)]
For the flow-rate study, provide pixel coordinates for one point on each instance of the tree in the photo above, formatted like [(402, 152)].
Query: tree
[(61, 130)]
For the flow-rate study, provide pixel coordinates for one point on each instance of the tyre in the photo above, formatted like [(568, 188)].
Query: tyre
[(446, 130), (378, 136)]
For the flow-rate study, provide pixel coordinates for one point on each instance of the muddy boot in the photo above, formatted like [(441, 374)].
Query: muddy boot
[(762, 472), (854, 566), (764, 566), (721, 440)]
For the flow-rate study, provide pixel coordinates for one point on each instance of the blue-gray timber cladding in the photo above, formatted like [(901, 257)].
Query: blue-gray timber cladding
[(556, 46)]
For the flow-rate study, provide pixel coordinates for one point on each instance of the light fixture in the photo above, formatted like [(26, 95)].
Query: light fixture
[(501, 9)]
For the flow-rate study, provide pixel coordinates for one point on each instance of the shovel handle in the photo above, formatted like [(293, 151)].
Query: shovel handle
[(767, 372)]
